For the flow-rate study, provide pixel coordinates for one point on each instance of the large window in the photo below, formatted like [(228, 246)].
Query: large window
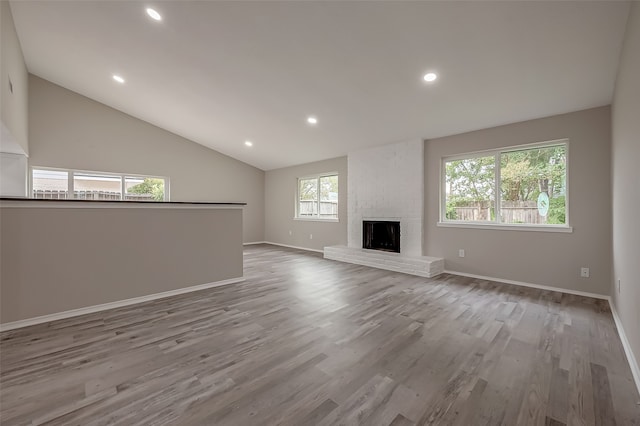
[(74, 184), (317, 197), (513, 186)]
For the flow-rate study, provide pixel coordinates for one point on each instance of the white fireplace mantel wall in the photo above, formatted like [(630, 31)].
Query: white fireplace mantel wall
[(387, 183)]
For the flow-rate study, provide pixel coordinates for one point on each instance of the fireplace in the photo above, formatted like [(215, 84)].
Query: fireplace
[(381, 235)]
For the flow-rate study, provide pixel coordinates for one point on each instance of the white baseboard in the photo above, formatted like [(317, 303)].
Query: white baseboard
[(111, 305), (525, 284), (293, 247), (633, 362), (254, 242)]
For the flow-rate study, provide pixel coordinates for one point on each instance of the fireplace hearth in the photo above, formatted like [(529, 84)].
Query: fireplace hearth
[(381, 235)]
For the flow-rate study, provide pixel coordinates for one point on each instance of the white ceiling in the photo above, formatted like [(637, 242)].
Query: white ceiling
[(220, 73)]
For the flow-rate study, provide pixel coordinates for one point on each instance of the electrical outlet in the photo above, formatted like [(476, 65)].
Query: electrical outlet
[(584, 272), (311, 236), (461, 253), (290, 232)]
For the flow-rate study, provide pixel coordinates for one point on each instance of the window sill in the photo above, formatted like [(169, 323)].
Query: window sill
[(315, 219), (507, 227)]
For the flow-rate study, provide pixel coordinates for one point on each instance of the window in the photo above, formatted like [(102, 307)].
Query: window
[(92, 186), (81, 185), (53, 183), (317, 197), (513, 186), (471, 190)]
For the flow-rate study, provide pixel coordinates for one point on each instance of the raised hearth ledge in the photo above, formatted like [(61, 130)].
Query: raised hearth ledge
[(422, 266)]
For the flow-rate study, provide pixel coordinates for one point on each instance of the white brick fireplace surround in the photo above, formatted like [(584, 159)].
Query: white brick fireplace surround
[(387, 183)]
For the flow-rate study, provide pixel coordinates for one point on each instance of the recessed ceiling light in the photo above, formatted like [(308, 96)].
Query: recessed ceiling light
[(154, 14), (430, 76), (248, 143), (312, 120), (117, 78)]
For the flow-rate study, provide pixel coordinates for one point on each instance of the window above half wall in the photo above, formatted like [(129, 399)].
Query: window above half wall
[(61, 184)]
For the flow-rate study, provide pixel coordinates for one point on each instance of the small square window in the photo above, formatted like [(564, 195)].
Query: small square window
[(317, 197)]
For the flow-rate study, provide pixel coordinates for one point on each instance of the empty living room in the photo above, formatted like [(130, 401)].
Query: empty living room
[(320, 212)]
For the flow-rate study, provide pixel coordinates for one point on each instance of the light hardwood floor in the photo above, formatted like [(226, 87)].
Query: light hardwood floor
[(308, 341)]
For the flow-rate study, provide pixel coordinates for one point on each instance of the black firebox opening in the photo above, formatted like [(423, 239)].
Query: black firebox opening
[(381, 235)]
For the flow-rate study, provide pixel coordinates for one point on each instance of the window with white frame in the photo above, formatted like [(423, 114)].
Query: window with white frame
[(525, 185), (317, 197), (63, 184)]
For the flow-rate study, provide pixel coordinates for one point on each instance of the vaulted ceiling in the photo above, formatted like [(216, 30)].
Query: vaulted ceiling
[(221, 73)]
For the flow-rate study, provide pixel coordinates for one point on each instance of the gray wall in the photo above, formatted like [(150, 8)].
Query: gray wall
[(626, 184), (59, 259), (13, 175), (68, 130), (543, 258), (280, 198), (13, 106)]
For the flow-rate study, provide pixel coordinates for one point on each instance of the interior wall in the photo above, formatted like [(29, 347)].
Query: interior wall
[(68, 130), (543, 258), (280, 202), (13, 175), (57, 258), (13, 87), (626, 184)]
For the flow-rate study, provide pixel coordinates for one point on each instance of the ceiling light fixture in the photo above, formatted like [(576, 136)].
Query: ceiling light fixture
[(119, 79), (431, 76), (312, 120), (248, 143), (154, 14)]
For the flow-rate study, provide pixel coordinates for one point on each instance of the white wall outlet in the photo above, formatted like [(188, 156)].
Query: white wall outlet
[(461, 253), (290, 232), (584, 272), (311, 236)]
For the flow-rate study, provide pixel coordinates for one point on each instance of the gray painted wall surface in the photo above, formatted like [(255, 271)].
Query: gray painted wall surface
[(58, 259), (13, 105), (68, 130), (280, 199), (551, 259), (626, 184)]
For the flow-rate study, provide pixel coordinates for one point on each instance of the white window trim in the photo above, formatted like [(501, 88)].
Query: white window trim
[(122, 176), (316, 219), (297, 198), (506, 226), (496, 224)]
